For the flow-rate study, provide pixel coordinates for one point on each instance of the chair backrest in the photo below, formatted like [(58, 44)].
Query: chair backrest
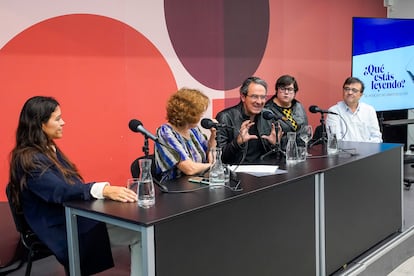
[(36, 249), (18, 217), (135, 170), (10, 246), (28, 237)]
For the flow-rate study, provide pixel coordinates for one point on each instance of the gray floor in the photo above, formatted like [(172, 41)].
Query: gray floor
[(50, 267), (407, 267)]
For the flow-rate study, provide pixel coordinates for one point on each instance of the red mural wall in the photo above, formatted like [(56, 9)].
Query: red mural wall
[(104, 72)]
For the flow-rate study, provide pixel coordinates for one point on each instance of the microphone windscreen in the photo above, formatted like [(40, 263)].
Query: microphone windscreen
[(134, 124), (313, 108), (207, 123)]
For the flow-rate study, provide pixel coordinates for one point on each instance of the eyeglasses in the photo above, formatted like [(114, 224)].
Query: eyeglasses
[(353, 90), (257, 97), (288, 90)]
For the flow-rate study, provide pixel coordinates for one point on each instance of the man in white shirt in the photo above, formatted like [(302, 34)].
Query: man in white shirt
[(356, 121)]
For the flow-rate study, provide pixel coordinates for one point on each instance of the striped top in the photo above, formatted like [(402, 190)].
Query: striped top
[(166, 160)]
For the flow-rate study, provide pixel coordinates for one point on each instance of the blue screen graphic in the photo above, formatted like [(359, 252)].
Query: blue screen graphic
[(383, 58)]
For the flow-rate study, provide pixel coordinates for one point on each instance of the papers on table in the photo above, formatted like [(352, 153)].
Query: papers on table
[(257, 170)]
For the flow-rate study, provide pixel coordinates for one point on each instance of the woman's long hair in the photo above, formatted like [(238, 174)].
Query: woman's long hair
[(32, 140)]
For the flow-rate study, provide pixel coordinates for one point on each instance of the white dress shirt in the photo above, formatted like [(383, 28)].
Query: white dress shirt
[(359, 126)]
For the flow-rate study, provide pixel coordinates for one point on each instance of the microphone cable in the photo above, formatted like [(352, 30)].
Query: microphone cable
[(277, 147), (346, 126), (343, 120), (205, 186), (233, 173), (165, 189), (208, 123), (234, 189)]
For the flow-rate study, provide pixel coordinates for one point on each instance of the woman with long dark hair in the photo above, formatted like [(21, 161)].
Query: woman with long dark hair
[(42, 178)]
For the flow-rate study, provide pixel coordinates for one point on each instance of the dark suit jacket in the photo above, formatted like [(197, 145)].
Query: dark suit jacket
[(42, 204)]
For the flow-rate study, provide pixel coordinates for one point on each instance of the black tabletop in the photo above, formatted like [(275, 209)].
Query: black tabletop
[(170, 205)]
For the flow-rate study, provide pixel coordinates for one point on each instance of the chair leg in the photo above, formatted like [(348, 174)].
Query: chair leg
[(407, 183), (29, 263), (19, 265)]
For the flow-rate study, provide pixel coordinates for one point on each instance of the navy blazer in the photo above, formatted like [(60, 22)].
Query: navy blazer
[(42, 204)]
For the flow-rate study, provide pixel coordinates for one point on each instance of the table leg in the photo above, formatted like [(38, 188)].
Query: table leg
[(73, 242)]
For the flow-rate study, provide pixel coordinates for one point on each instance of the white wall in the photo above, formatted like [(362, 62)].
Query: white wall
[(403, 9)]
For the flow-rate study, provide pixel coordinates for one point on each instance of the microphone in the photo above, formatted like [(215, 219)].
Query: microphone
[(136, 126), (316, 109), (208, 123), (269, 115)]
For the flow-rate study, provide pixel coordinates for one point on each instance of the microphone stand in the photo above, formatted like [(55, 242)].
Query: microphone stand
[(233, 174), (276, 149), (324, 136), (145, 147)]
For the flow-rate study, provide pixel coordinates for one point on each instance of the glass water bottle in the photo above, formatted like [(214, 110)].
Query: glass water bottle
[(216, 176), (145, 191), (291, 149)]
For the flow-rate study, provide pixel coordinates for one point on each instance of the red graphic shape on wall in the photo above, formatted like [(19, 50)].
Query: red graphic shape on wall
[(103, 73), (219, 51)]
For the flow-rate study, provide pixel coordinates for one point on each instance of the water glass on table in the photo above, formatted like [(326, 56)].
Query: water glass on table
[(145, 191), (306, 135), (332, 148), (132, 184), (302, 152)]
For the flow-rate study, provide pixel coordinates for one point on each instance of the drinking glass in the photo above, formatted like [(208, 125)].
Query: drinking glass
[(302, 152), (306, 135), (144, 189), (132, 184), (332, 141)]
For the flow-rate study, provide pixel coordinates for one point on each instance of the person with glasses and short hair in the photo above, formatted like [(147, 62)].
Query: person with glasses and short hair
[(249, 135), (285, 106), (356, 121)]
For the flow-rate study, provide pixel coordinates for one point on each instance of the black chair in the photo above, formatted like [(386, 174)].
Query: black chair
[(408, 169), (34, 248), (135, 170)]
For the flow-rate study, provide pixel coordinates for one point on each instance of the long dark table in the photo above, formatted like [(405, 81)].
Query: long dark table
[(312, 220)]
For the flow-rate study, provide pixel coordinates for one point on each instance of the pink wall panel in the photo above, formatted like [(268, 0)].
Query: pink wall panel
[(104, 72), (311, 40)]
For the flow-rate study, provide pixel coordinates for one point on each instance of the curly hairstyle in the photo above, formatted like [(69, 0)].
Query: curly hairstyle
[(186, 106)]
